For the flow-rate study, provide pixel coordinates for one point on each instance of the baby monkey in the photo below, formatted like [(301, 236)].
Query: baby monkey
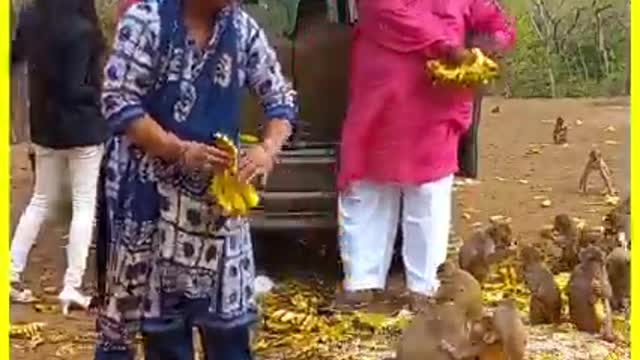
[(485, 248), (560, 131), (545, 303), (501, 336), (588, 285), (596, 163)]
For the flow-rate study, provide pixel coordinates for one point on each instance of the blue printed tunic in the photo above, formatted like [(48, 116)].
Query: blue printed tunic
[(167, 251)]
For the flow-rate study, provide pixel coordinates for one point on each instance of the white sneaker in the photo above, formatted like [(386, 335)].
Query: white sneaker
[(72, 297), (262, 285)]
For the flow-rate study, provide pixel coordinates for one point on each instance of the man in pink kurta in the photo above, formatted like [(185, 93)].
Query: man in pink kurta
[(401, 133)]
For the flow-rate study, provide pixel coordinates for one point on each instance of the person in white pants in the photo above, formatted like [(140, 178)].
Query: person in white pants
[(401, 135), (62, 45), (83, 164), (369, 215)]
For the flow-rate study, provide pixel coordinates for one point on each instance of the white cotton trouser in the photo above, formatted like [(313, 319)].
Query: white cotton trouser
[(83, 164), (368, 216)]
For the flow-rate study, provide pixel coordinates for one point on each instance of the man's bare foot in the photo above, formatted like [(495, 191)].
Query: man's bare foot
[(352, 300), (417, 301)]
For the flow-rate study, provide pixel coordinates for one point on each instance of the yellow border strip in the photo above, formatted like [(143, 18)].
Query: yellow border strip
[(5, 169), (635, 178)]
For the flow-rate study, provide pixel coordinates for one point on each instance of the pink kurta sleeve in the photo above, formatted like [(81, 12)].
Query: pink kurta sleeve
[(403, 27), (487, 17)]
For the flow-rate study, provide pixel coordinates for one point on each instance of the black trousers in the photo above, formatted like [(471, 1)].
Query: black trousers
[(468, 145)]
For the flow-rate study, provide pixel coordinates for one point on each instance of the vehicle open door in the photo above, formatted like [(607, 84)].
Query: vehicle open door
[(300, 193)]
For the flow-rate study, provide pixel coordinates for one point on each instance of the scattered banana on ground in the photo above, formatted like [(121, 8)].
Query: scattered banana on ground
[(235, 198), (479, 72), (26, 331), (299, 323)]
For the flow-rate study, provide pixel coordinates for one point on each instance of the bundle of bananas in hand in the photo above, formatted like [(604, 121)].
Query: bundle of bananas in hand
[(479, 71), (234, 197)]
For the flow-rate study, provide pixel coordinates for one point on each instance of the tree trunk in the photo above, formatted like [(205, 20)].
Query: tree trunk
[(627, 51)]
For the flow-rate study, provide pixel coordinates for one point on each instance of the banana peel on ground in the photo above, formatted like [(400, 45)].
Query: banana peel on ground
[(480, 71), (234, 197), (297, 322)]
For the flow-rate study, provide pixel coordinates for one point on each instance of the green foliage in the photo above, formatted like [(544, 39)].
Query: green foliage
[(107, 14), (574, 55)]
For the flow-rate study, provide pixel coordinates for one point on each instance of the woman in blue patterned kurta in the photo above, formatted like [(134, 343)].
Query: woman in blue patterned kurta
[(171, 260)]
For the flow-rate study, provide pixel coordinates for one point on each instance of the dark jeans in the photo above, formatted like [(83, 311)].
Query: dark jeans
[(174, 341)]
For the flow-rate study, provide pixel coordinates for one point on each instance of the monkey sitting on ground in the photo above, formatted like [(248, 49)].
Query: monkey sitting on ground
[(596, 163), (461, 288), (619, 271), (439, 322), (595, 236), (501, 336), (545, 303), (484, 248), (589, 284), (566, 238), (616, 223), (560, 131)]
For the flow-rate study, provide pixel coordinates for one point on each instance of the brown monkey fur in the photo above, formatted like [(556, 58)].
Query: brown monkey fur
[(591, 236), (457, 302), (511, 331), (501, 336), (596, 163), (619, 271), (423, 337), (484, 248), (616, 224), (461, 288), (560, 131), (588, 284), (545, 303), (596, 236), (566, 238)]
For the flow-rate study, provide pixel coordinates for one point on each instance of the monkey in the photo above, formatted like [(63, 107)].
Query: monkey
[(511, 330), (560, 131), (484, 248), (591, 236), (481, 340), (596, 163), (461, 288), (545, 303), (500, 336), (588, 284), (616, 224), (566, 238), (596, 236), (440, 321), (619, 271)]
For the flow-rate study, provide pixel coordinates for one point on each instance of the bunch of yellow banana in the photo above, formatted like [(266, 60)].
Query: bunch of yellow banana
[(503, 281), (479, 72), (234, 197), (26, 331)]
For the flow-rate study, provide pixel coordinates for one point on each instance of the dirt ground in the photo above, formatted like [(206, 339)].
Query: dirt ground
[(514, 181)]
